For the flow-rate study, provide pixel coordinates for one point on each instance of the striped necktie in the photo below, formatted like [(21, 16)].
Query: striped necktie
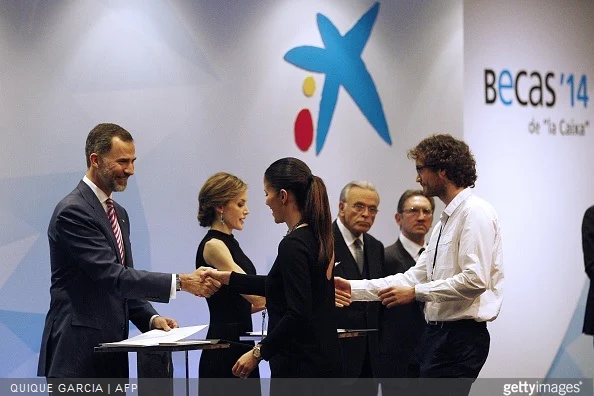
[(115, 226)]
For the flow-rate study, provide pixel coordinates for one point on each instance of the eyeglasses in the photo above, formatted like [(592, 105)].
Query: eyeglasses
[(360, 208), (421, 167), (417, 211)]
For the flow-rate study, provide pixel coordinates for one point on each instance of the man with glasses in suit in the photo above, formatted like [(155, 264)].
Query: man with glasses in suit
[(358, 255), (401, 326)]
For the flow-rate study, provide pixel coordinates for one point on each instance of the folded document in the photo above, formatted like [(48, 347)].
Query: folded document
[(158, 337)]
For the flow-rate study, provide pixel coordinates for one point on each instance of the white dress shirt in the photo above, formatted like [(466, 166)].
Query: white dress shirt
[(467, 280), (349, 238)]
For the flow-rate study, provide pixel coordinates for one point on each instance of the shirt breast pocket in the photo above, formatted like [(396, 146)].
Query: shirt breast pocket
[(440, 258)]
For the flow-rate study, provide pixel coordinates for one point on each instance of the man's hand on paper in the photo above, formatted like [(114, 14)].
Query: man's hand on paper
[(163, 323)]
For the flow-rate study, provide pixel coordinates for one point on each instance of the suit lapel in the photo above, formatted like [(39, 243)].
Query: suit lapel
[(101, 216), (342, 253), (372, 258), (407, 260)]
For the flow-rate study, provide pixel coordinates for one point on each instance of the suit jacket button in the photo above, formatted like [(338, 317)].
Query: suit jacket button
[(123, 326)]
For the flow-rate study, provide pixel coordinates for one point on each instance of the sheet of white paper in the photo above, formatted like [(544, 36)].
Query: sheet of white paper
[(156, 337), (187, 342), (259, 333), (256, 333)]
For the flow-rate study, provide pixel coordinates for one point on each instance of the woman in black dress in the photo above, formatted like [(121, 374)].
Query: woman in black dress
[(222, 206), (299, 289)]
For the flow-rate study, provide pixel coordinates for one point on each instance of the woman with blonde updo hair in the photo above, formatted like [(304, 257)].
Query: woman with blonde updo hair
[(222, 206)]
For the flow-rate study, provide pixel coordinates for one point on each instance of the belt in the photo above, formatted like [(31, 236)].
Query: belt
[(459, 324)]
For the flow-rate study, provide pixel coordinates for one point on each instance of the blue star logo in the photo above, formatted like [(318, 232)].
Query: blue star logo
[(341, 62)]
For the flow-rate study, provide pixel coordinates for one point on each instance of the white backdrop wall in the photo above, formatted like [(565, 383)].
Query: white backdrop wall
[(203, 87), (539, 182)]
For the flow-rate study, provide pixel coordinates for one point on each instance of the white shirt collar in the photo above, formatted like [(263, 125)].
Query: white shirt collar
[(411, 247), (101, 196), (347, 235), (457, 201)]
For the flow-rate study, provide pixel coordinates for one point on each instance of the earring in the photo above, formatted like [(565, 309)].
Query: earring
[(222, 219)]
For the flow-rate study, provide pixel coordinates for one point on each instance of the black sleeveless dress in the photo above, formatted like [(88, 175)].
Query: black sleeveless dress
[(230, 315)]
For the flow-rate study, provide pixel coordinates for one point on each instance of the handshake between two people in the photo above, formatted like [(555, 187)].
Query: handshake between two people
[(205, 281), (390, 296), (201, 282)]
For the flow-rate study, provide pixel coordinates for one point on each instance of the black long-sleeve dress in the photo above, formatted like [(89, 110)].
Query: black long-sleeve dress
[(230, 315), (301, 340)]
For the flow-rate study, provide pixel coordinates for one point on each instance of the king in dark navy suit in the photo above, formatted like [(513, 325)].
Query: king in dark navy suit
[(95, 290)]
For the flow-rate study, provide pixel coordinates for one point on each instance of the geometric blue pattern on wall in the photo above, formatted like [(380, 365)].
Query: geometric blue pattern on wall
[(30, 211), (25, 326), (575, 357), (24, 293)]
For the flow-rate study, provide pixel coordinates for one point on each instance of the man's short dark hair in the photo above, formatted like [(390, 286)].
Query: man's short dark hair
[(413, 193), (450, 154), (100, 137)]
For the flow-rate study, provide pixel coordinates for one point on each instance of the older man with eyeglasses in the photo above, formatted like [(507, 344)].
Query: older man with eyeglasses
[(358, 255)]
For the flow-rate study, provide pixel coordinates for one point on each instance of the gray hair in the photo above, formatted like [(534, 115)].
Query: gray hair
[(364, 184)]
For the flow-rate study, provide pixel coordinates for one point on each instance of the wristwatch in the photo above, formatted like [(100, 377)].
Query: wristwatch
[(177, 283), (257, 353)]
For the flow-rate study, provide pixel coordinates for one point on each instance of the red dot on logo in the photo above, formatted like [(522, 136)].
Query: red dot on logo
[(304, 130)]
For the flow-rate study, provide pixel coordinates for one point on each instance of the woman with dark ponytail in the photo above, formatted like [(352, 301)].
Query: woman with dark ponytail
[(299, 289)]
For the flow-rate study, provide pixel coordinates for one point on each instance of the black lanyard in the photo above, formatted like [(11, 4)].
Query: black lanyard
[(436, 245)]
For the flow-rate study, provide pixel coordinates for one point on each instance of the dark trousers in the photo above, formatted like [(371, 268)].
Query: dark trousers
[(365, 385), (452, 351)]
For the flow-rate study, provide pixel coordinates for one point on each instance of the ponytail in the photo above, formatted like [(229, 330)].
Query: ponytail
[(311, 197), (317, 214)]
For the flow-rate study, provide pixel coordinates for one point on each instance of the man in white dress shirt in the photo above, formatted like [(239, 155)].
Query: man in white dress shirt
[(459, 276)]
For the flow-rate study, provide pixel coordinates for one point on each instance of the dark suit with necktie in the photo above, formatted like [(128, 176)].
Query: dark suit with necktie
[(401, 326), (93, 296), (359, 315), (588, 247)]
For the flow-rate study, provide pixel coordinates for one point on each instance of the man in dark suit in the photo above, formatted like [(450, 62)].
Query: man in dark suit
[(95, 290), (588, 246), (358, 255), (401, 326)]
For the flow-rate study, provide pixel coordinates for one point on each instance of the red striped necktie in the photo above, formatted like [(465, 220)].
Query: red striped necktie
[(115, 226)]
